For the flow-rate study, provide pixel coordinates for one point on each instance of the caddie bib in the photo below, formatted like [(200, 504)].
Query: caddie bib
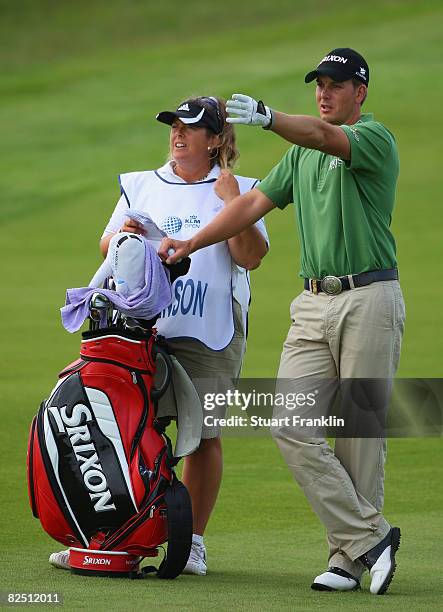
[(202, 305)]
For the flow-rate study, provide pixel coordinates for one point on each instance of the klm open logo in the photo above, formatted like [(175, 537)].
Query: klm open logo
[(192, 222), (171, 225)]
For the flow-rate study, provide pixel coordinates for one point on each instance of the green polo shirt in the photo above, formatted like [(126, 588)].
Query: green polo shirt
[(343, 209)]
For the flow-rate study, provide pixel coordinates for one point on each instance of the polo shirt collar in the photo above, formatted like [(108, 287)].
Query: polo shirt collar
[(366, 117)]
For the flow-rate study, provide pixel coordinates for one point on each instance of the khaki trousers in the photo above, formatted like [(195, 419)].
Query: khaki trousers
[(356, 334)]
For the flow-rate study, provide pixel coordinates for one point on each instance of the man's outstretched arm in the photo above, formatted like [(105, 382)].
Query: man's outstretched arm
[(242, 212), (303, 130)]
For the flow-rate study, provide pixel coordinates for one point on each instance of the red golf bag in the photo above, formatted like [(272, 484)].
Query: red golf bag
[(100, 466)]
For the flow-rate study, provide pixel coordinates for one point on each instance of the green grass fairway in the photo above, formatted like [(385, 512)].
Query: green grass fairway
[(264, 544), (81, 84)]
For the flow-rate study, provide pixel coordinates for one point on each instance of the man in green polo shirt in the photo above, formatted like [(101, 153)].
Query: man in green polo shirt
[(348, 322), (343, 217)]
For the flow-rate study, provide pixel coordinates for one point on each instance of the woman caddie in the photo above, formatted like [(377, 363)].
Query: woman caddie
[(206, 323)]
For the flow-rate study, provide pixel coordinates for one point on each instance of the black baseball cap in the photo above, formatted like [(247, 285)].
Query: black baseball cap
[(342, 64), (198, 112)]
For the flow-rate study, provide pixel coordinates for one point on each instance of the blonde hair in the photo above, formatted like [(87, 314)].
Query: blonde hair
[(226, 154)]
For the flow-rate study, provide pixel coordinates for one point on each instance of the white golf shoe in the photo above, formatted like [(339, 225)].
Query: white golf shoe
[(335, 579), (197, 560), (60, 559), (380, 562)]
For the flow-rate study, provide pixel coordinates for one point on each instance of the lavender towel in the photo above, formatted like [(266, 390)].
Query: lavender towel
[(145, 304)]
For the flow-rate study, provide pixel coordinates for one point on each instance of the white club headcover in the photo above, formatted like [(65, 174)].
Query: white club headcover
[(125, 262)]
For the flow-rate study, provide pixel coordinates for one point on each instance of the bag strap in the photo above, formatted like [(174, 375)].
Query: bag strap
[(179, 508), (179, 516)]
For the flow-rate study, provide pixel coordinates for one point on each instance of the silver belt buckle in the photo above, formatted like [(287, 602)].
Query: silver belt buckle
[(331, 285)]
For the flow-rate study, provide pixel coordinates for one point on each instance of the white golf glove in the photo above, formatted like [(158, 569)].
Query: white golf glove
[(248, 111)]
